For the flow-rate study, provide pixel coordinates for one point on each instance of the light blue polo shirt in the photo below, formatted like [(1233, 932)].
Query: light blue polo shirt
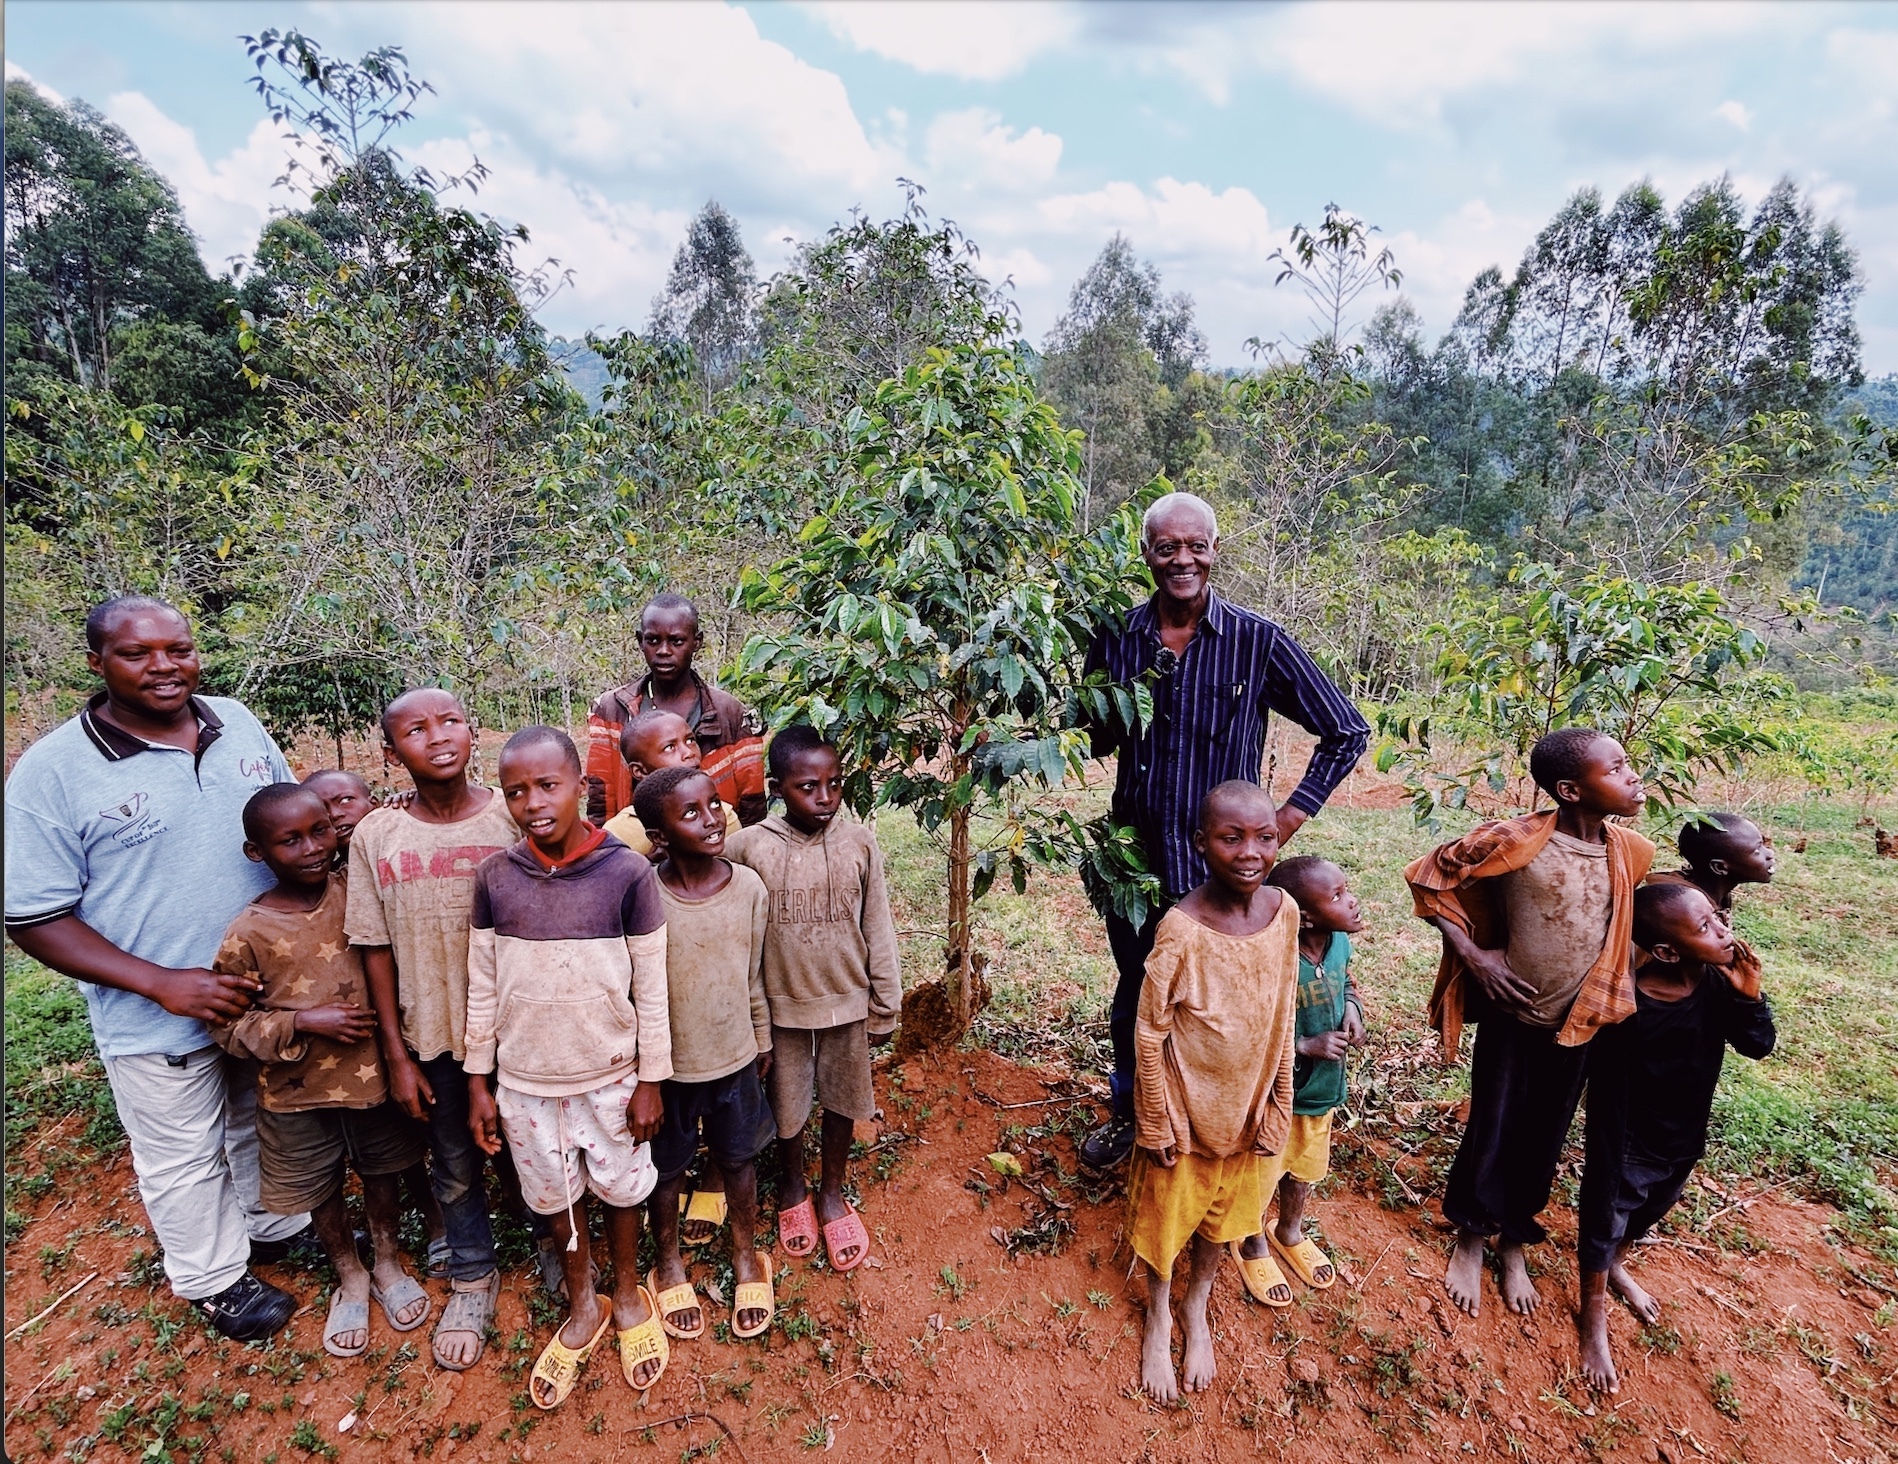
[(145, 843)]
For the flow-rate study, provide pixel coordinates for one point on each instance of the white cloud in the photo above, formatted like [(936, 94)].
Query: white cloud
[(1735, 113), (16, 72), (975, 147), (977, 40), (226, 203)]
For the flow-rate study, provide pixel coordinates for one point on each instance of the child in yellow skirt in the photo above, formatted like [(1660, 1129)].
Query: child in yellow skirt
[(1330, 1024), (1213, 1073)]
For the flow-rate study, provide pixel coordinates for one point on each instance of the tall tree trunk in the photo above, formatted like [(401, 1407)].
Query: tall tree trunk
[(961, 935)]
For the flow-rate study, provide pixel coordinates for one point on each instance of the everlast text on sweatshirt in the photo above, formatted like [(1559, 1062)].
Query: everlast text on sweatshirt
[(830, 944), (567, 972)]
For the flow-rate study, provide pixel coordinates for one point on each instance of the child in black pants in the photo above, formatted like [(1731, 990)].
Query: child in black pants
[(1651, 1083)]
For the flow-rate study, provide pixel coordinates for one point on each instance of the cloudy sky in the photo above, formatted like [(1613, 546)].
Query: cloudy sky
[(1200, 131)]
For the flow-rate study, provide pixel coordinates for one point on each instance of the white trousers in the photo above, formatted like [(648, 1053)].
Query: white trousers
[(192, 1122)]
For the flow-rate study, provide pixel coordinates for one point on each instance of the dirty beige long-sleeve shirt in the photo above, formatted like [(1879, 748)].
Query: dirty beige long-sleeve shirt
[(1215, 1038)]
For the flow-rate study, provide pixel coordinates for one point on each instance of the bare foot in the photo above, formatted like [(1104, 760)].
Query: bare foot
[(1156, 1357), (1196, 1358), (1598, 1363), (832, 1207), (1464, 1280), (582, 1322), (353, 1287), (629, 1310), (1519, 1292), (1629, 1290), (669, 1271), (1256, 1248)]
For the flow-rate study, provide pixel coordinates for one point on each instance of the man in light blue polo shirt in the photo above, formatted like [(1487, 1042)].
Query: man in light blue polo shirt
[(124, 865)]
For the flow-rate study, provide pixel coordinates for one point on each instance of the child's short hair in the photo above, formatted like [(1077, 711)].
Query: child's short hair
[(791, 743), (635, 728), (312, 778), (649, 798), (1656, 906), (537, 736), (1298, 874), (388, 712), (1708, 836), (1559, 757), (1232, 788), (265, 802)]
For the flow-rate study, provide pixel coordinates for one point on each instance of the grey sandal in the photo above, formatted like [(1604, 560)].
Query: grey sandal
[(470, 1309), (438, 1255), (346, 1316), (405, 1293)]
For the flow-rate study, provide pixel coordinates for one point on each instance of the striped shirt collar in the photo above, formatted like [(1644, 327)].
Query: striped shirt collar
[(1216, 621), (115, 744)]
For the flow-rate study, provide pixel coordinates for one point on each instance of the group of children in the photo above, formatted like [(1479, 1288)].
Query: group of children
[(479, 973), (475, 974), (1580, 970)]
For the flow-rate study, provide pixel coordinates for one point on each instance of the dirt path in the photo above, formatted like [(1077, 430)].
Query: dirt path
[(948, 1347)]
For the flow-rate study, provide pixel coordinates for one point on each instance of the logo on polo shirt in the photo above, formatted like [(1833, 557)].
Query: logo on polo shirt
[(136, 823), (257, 769)]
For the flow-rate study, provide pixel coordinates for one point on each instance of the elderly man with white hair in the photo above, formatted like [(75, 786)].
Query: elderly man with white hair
[(1217, 672)]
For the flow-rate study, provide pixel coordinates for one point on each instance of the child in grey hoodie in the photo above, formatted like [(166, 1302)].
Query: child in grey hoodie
[(831, 977)]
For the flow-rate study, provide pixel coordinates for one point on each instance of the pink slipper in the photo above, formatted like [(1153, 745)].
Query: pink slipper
[(797, 1229), (841, 1234)]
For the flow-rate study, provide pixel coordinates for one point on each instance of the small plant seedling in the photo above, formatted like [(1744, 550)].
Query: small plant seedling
[(1726, 1397)]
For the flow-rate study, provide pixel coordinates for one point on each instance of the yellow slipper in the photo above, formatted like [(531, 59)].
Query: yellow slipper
[(675, 1299), (705, 1207), (755, 1295), (641, 1344), (557, 1368), (1304, 1258), (1260, 1275)]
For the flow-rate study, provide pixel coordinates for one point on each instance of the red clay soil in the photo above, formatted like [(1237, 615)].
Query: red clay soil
[(946, 1346)]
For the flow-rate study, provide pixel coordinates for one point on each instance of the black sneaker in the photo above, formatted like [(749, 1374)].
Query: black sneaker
[(1109, 1144), (302, 1249), (248, 1310)]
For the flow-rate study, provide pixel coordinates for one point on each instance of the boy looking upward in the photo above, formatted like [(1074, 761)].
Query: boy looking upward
[(1651, 1083), (730, 737), (567, 1009), (1213, 1045), (411, 886), (1330, 1024), (1535, 914), (1723, 851), (832, 980), (321, 1097), (721, 1041)]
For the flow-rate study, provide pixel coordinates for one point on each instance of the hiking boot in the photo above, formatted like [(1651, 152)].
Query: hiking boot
[(302, 1249), (248, 1310), (1109, 1144)]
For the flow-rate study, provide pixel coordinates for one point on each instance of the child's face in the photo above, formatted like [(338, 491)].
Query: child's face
[(668, 639), (1240, 842), (1608, 785), (694, 822), (347, 798), (1326, 902), (429, 735), (664, 742), (544, 792), (298, 843), (1694, 931), (1748, 857), (813, 790)]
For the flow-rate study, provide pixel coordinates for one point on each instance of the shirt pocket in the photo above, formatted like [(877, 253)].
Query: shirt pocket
[(554, 1039)]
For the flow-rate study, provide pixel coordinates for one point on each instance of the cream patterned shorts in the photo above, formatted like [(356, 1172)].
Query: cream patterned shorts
[(564, 1147)]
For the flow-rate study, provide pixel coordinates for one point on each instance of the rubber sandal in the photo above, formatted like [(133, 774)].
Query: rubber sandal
[(405, 1292), (558, 1365), (799, 1223), (470, 1309), (676, 1299), (847, 1231), (553, 1275), (1304, 1258), (436, 1258), (1260, 1275), (346, 1316), (642, 1344), (755, 1295), (706, 1207)]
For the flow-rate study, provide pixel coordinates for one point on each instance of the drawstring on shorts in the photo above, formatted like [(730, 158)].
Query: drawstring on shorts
[(560, 1137)]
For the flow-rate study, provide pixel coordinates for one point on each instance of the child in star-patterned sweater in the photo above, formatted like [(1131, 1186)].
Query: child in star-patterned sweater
[(322, 1097)]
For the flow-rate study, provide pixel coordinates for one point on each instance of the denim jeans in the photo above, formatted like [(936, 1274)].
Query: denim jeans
[(457, 1172), (1131, 946)]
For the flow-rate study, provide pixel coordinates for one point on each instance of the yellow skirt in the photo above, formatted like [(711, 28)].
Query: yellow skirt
[(1306, 1155), (1220, 1199)]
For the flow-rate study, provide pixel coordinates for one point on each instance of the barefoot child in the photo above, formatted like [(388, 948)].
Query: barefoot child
[(721, 1041), (1213, 1046), (1535, 914), (1651, 1083), (831, 977), (411, 883), (567, 1008), (321, 1097), (1330, 1023)]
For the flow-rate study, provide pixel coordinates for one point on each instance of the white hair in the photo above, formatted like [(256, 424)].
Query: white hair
[(1163, 506)]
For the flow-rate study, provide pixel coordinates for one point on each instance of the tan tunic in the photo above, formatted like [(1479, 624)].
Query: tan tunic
[(1557, 907), (715, 978), (1215, 1037)]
